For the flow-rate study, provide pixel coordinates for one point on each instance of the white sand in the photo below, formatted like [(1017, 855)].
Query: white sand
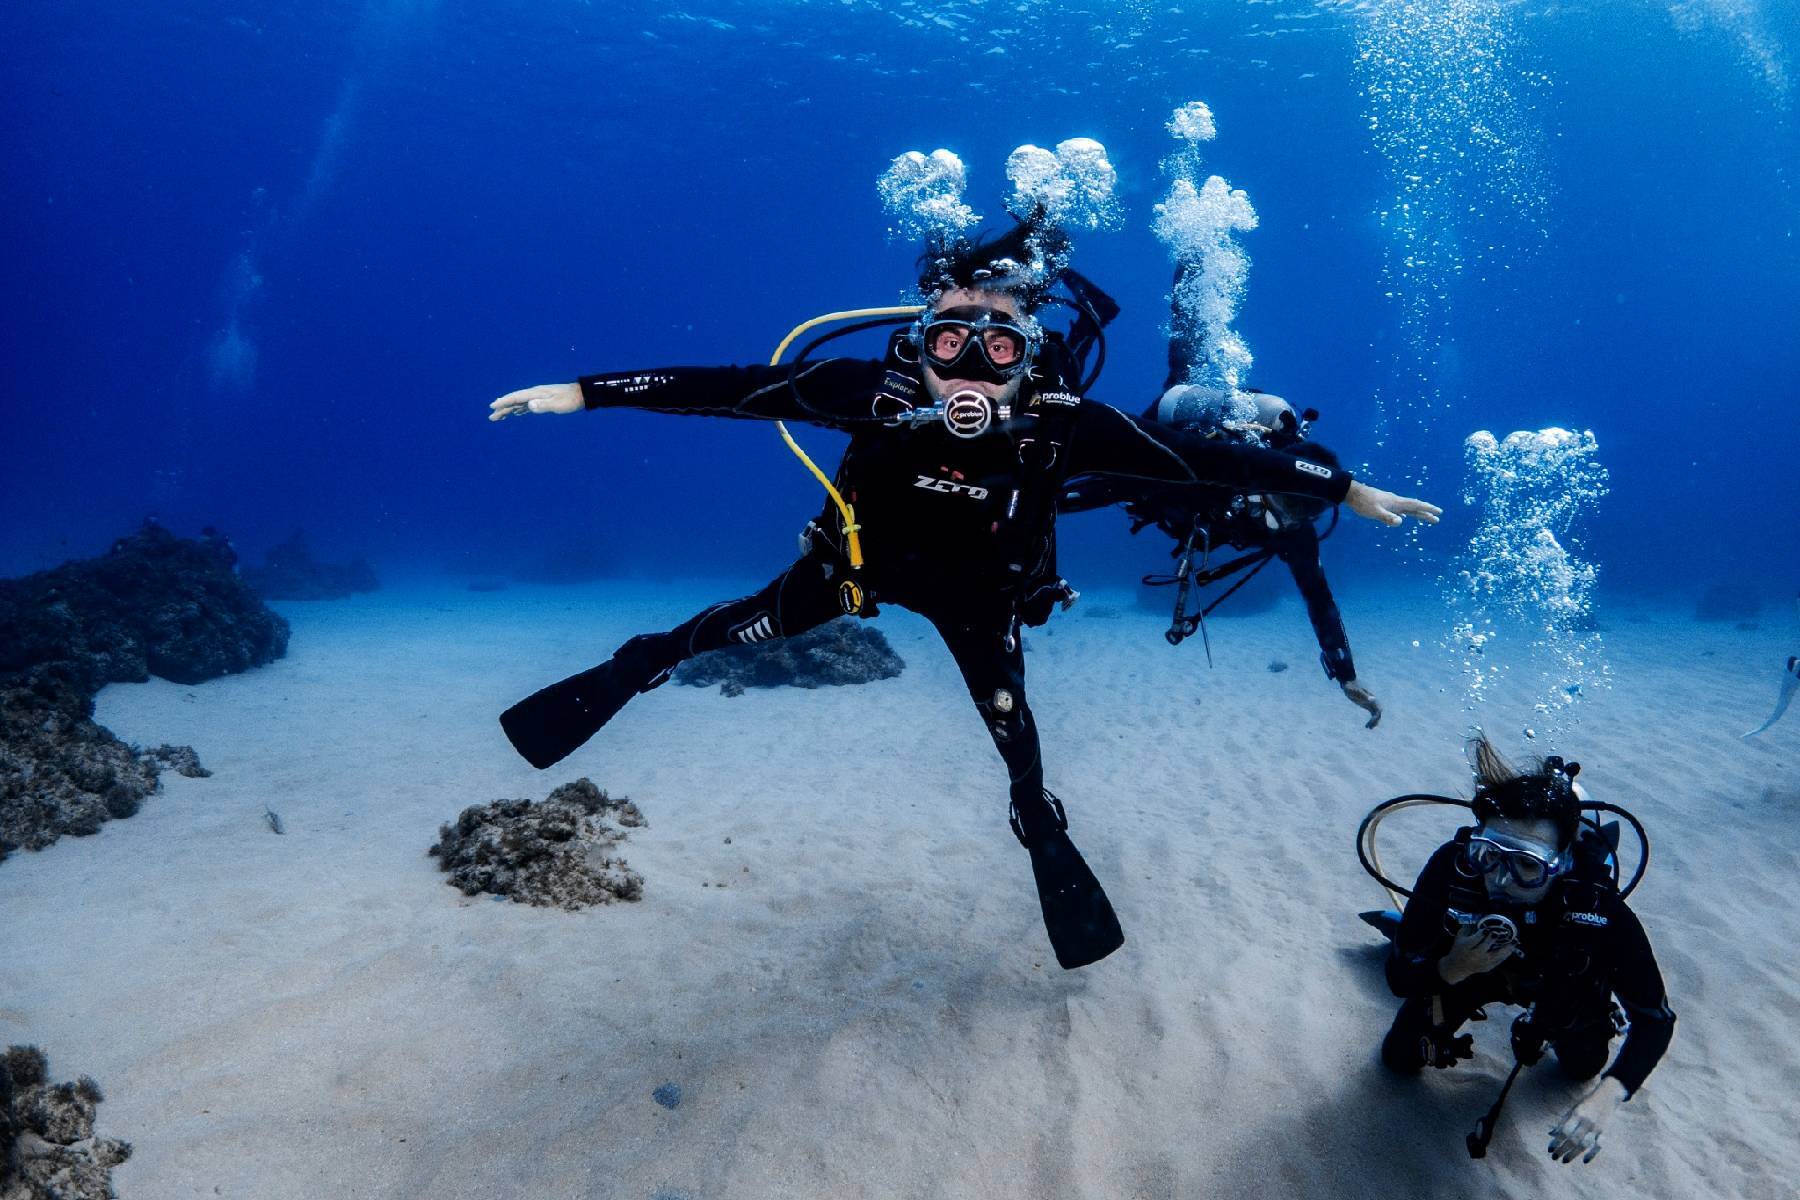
[(855, 994)]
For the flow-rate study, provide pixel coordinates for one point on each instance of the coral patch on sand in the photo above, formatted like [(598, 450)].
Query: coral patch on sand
[(841, 652), (48, 1150), (60, 773), (154, 604), (560, 852)]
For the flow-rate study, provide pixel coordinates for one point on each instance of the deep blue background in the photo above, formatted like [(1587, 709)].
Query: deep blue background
[(520, 193)]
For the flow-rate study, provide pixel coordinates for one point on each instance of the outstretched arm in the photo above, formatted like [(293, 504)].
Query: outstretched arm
[(831, 392), (1108, 442), (1639, 986)]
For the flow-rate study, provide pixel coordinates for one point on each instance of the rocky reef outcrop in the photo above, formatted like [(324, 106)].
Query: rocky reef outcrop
[(154, 604), (48, 1148), (561, 852), (60, 772), (845, 651)]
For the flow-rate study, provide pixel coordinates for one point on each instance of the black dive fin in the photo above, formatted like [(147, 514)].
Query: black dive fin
[(1386, 920), (549, 725), (1079, 918)]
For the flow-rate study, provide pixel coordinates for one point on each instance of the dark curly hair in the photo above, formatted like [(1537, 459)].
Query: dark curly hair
[(1027, 260)]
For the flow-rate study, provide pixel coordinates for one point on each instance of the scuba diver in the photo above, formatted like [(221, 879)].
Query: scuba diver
[(1201, 518), (1525, 908), (959, 440)]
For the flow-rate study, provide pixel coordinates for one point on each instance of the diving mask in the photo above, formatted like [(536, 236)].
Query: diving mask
[(1528, 865), (974, 343)]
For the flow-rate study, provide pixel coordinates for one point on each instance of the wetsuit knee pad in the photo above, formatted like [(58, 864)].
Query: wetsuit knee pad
[(1414, 1043), (1402, 1051), (1005, 714)]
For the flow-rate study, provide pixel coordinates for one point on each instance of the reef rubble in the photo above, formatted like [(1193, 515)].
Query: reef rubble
[(560, 852), (48, 1148), (154, 604)]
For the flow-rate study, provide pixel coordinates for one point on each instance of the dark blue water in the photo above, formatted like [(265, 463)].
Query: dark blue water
[(266, 266)]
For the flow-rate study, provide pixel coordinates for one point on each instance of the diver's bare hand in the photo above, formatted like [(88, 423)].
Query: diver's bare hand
[(1579, 1130), (1473, 952), (1364, 699), (544, 398), (1388, 507)]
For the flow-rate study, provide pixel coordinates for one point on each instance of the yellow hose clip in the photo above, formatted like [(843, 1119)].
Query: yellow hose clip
[(852, 531)]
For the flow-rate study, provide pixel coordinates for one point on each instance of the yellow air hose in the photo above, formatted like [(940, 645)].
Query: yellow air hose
[(852, 531)]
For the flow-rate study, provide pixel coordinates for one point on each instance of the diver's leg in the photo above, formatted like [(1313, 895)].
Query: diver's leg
[(1582, 1053), (1424, 1032), (1077, 915), (550, 724), (992, 661), (1405, 1048), (802, 597)]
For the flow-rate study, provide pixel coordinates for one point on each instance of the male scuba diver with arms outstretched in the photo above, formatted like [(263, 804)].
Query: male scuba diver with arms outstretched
[(959, 441), (1525, 908)]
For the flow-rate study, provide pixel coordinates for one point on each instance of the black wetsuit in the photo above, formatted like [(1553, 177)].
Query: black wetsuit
[(1217, 518), (959, 530), (1226, 516), (1580, 948)]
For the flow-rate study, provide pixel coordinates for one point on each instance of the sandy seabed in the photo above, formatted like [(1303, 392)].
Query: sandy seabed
[(839, 961)]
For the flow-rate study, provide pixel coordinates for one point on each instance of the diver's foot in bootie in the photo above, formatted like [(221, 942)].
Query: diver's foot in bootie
[(1078, 917), (549, 725)]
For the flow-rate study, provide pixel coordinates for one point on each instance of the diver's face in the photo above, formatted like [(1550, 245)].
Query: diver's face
[(1535, 834), (938, 386)]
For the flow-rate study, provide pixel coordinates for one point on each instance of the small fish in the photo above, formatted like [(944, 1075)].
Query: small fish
[(273, 818)]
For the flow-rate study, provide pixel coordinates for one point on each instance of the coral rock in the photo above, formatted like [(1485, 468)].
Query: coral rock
[(48, 1150), (559, 852), (60, 773), (844, 651), (154, 604)]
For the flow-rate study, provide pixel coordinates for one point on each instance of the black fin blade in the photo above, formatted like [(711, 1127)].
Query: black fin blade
[(1384, 920), (1078, 917)]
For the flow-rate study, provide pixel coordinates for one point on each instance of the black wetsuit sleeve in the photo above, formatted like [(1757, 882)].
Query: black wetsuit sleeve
[(833, 391), (1420, 943), (1107, 442), (1638, 983), (1298, 545)]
